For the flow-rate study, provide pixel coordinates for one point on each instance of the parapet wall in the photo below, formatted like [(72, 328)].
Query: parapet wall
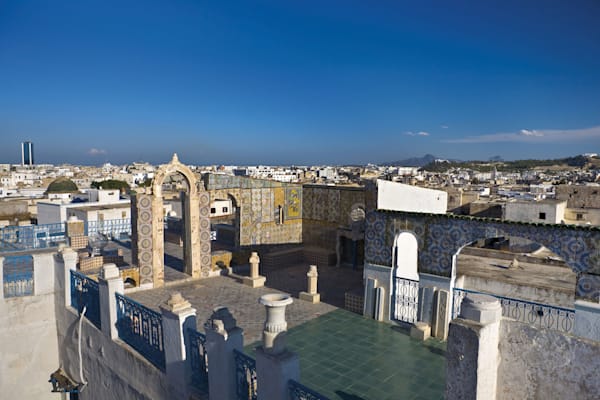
[(545, 364)]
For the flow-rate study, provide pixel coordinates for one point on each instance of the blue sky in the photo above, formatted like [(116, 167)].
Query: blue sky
[(298, 82)]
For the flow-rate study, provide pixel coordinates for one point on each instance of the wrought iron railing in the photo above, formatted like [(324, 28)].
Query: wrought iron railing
[(406, 298), (14, 238), (141, 328), (300, 392), (85, 293), (111, 227), (245, 376), (17, 274), (196, 352), (536, 314)]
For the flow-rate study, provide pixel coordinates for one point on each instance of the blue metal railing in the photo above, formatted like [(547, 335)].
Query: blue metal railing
[(111, 227), (85, 293), (536, 314), (300, 392), (17, 275), (15, 238), (196, 352), (141, 328), (245, 376)]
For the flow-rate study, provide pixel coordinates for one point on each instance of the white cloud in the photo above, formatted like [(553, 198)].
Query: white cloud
[(420, 133), (96, 152), (444, 126), (534, 136)]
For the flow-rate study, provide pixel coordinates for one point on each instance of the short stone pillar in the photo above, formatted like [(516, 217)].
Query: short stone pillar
[(69, 258), (275, 364), (109, 283), (311, 292), (223, 336), (472, 350), (254, 280), (177, 316)]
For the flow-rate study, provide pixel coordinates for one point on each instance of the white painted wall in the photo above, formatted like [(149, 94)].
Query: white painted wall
[(400, 197), (28, 344)]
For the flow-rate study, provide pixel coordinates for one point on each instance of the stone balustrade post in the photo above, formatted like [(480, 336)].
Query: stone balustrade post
[(223, 336), (311, 289), (472, 350), (254, 280), (109, 283), (275, 364), (177, 316), (69, 258)]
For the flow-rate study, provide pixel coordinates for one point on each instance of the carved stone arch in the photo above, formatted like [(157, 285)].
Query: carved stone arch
[(148, 227), (171, 168)]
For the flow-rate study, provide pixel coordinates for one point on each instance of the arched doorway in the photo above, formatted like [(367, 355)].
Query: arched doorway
[(405, 277)]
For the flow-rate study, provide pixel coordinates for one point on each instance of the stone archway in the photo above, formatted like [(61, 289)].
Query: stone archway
[(148, 227)]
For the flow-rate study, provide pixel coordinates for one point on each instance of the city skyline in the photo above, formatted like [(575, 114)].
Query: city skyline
[(310, 83)]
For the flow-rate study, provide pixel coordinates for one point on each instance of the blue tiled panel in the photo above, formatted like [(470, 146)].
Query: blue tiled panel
[(441, 236)]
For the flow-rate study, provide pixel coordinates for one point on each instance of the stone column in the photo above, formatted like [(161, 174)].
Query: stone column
[(177, 316), (109, 283), (472, 350), (223, 336), (311, 292), (69, 257), (275, 364), (254, 280)]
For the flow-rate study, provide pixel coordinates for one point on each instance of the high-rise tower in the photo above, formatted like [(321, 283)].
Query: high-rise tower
[(27, 153)]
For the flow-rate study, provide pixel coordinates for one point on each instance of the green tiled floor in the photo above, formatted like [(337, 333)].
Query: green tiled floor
[(347, 357)]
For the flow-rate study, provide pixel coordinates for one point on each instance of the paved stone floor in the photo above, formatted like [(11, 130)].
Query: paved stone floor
[(343, 355)]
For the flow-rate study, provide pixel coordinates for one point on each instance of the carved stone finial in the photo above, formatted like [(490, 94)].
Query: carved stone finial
[(176, 302), (175, 159)]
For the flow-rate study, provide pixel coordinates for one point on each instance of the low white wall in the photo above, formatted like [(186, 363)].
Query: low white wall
[(546, 364), (28, 346), (537, 294)]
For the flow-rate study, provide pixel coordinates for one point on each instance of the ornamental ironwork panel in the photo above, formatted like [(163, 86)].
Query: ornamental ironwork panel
[(17, 275), (28, 237), (196, 352), (529, 312), (141, 328), (245, 376), (406, 300), (110, 227), (300, 392), (85, 293)]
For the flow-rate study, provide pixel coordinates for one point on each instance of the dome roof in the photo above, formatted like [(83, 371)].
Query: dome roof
[(62, 185)]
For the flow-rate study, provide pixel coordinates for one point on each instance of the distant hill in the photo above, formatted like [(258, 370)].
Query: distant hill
[(413, 162), (517, 165)]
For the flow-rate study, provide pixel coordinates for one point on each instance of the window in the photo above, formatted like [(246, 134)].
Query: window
[(124, 214), (542, 215), (579, 217), (225, 209), (213, 210)]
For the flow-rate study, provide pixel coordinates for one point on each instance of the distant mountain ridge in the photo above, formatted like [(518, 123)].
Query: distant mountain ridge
[(413, 161)]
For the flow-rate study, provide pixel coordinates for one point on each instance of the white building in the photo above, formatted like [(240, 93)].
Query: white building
[(542, 211)]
